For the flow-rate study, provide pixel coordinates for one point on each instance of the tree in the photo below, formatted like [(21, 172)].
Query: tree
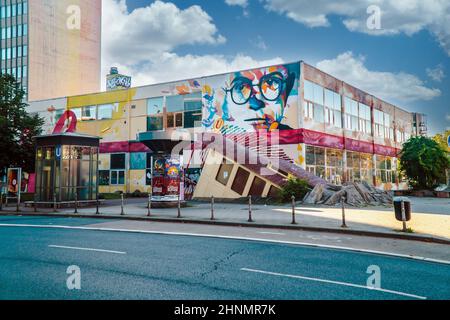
[(17, 127), (441, 139), (424, 162)]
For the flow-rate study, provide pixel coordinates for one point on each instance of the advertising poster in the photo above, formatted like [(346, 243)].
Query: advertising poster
[(167, 174), (14, 177)]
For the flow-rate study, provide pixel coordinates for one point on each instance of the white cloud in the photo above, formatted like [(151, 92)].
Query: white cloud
[(141, 43), (241, 3), (152, 30), (394, 87), (437, 73), (398, 16)]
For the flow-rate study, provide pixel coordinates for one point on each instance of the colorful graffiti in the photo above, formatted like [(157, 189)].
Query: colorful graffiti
[(259, 98)]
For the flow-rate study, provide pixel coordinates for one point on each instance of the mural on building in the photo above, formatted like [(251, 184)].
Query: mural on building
[(259, 99)]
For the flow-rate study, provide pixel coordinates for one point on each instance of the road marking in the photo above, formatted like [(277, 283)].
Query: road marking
[(273, 233), (346, 284), (305, 244), (86, 249)]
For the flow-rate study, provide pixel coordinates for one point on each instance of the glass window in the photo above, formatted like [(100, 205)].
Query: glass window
[(175, 103), (118, 161), (89, 113), (318, 113), (224, 173), (257, 187), (155, 106), (309, 91), (240, 181), (105, 111), (155, 123), (77, 112)]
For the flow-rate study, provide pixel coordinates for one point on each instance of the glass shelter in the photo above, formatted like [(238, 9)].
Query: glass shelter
[(66, 167)]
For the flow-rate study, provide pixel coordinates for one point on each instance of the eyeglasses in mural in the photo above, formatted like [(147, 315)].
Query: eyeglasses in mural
[(259, 99)]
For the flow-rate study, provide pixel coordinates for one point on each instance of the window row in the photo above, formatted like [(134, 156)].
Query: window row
[(328, 164), (90, 113), (18, 72), (383, 125), (14, 52), (15, 31), (241, 180), (15, 9), (181, 111)]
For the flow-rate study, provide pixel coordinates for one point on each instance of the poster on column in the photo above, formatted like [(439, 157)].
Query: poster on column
[(167, 176)]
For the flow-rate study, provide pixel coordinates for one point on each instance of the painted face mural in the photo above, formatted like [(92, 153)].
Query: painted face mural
[(258, 99)]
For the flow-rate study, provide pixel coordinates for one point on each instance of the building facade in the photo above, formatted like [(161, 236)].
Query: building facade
[(52, 46), (323, 126)]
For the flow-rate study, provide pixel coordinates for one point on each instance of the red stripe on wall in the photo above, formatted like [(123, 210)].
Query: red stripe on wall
[(123, 146)]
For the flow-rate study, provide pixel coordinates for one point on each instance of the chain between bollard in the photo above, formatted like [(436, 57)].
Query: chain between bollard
[(293, 210), (344, 224), (250, 219), (212, 208)]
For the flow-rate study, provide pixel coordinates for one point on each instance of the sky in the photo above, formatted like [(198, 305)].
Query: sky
[(401, 55)]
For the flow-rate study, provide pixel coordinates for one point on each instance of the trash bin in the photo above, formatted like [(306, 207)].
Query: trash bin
[(398, 208)]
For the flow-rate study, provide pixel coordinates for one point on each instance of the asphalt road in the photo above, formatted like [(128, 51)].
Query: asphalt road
[(124, 265)]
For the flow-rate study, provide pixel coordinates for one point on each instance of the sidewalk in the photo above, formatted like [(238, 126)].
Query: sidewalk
[(366, 221)]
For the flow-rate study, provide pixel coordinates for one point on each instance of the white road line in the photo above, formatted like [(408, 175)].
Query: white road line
[(86, 249), (273, 233), (346, 284), (305, 244)]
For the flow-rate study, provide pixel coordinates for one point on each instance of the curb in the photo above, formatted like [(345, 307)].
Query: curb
[(422, 238)]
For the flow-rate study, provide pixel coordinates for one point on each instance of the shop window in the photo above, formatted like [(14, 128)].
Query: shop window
[(384, 170), (257, 187), (240, 181), (175, 120), (103, 176), (223, 176), (118, 161), (117, 177), (105, 111)]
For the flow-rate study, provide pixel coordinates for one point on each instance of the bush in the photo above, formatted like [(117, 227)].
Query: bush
[(294, 187)]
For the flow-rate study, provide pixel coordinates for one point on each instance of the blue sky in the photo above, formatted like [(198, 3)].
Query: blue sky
[(406, 62)]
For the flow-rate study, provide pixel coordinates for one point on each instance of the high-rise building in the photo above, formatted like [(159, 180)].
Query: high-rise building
[(52, 46)]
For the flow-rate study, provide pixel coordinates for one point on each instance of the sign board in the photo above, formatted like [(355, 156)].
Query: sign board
[(118, 81)]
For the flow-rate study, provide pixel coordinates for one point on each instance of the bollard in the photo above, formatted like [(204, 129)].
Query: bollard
[(97, 206), (122, 212), (35, 205), (212, 208), (250, 209), (149, 213), (179, 206), (344, 224), (18, 204), (76, 202), (1, 201), (54, 204), (293, 211), (403, 217)]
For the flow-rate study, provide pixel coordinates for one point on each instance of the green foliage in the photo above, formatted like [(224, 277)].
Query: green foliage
[(294, 187), (441, 139), (424, 162), (17, 127)]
